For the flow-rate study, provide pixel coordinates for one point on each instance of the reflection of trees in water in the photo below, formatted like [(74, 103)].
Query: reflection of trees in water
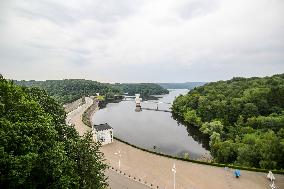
[(150, 98), (103, 104), (194, 132)]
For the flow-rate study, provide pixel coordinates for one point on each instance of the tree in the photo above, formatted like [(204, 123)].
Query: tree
[(226, 153), (249, 110), (214, 126), (191, 117), (69, 90), (37, 148), (250, 119)]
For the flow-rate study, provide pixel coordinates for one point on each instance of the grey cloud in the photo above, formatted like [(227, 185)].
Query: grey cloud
[(47, 10), (191, 9), (100, 10), (77, 51), (111, 10), (140, 40)]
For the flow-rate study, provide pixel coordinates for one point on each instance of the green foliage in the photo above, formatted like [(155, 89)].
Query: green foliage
[(187, 85), (100, 98), (210, 128), (69, 90), (273, 121), (259, 149), (144, 89), (191, 118), (186, 156), (244, 119), (223, 152), (37, 148)]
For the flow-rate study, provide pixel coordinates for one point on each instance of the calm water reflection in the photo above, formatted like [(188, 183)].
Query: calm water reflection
[(147, 129)]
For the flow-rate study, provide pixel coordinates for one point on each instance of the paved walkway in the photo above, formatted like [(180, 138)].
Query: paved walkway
[(156, 170), (75, 117), (118, 181)]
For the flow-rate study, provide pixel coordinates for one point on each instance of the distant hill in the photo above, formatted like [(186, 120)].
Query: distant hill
[(186, 85), (144, 89), (69, 90)]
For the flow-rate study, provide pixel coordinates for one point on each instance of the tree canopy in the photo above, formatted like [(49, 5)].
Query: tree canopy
[(186, 85), (243, 117), (37, 148), (69, 90), (144, 89)]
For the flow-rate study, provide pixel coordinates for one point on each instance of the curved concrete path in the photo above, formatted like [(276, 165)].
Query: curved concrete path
[(75, 117)]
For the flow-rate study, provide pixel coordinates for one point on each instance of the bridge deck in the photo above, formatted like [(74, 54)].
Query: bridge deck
[(154, 109)]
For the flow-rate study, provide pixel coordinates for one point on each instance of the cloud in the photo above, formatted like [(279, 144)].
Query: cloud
[(191, 9), (140, 40)]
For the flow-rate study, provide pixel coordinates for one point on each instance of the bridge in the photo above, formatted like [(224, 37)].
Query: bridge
[(138, 108), (132, 98), (155, 109), (153, 102)]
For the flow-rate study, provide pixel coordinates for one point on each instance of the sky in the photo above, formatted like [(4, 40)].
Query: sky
[(141, 40)]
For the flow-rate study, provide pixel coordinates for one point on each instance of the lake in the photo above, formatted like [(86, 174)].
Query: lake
[(148, 128)]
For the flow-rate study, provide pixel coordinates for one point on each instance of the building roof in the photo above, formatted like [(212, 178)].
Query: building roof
[(102, 127)]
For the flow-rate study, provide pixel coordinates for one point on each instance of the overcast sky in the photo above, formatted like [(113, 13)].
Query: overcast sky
[(141, 40)]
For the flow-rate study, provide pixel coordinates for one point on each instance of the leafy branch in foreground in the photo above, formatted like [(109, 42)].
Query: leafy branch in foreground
[(37, 148)]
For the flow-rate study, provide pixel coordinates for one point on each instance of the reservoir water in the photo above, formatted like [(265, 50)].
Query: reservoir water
[(153, 130)]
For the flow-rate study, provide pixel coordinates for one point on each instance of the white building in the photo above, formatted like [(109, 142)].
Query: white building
[(102, 133), (138, 103)]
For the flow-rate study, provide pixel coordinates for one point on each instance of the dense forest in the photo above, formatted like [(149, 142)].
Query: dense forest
[(243, 118), (37, 148), (69, 90), (186, 85), (144, 89)]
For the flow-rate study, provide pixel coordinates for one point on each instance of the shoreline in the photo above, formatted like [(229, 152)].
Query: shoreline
[(90, 112)]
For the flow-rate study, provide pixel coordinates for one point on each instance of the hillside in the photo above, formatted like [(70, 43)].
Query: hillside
[(243, 117), (69, 90), (38, 150), (145, 89)]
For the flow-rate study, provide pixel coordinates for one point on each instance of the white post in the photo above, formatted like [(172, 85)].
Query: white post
[(174, 180), (174, 171), (119, 156)]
